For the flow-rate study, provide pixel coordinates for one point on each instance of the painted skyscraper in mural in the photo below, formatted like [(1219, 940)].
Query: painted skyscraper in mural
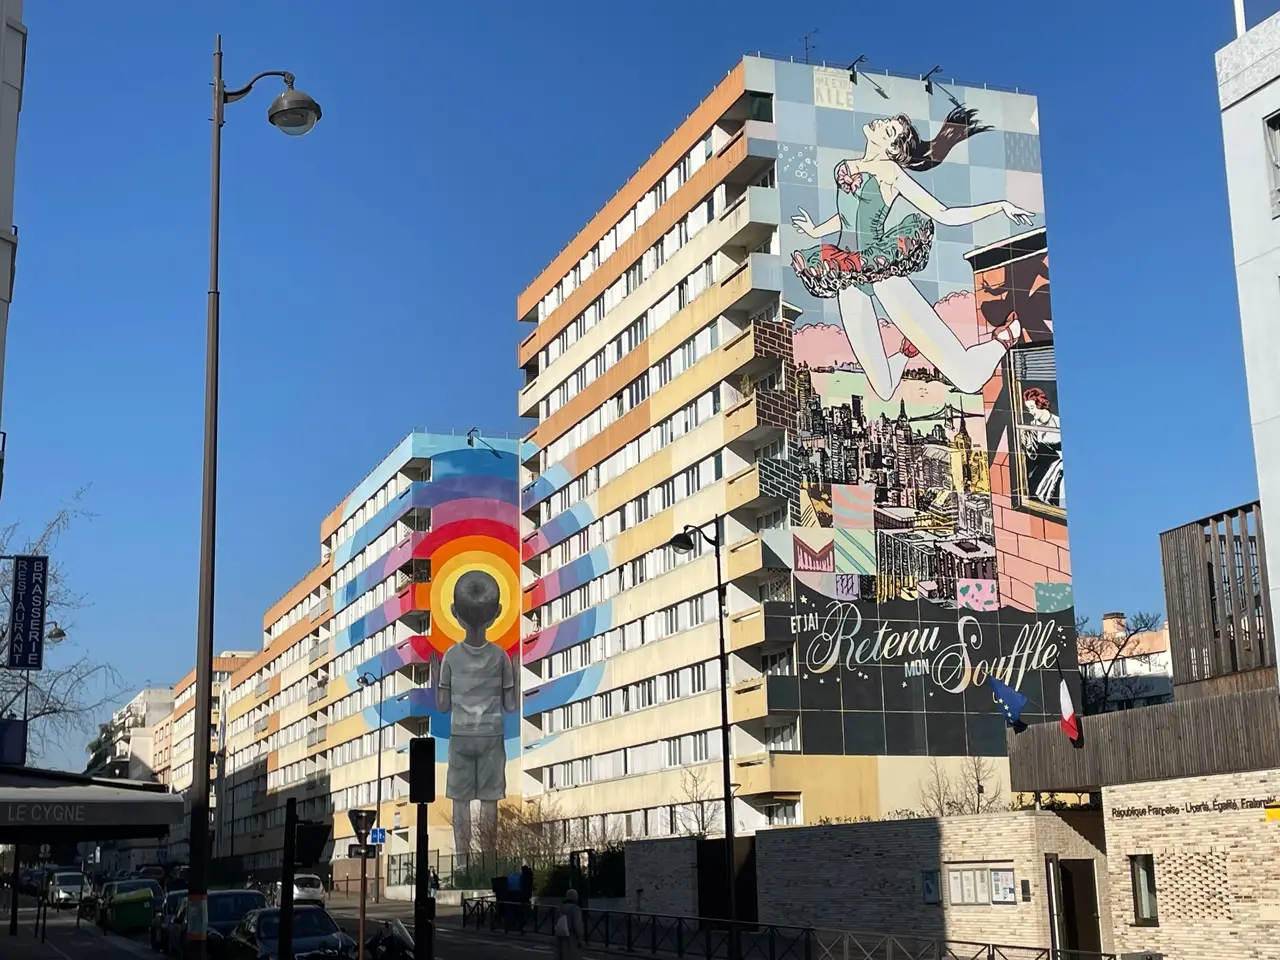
[(817, 322)]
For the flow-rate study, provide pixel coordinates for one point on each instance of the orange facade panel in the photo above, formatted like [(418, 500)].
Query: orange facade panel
[(655, 168)]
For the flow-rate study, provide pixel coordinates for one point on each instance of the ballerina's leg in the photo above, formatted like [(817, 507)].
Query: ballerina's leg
[(969, 368), (862, 327)]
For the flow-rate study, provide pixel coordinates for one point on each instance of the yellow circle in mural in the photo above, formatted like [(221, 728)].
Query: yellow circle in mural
[(444, 581)]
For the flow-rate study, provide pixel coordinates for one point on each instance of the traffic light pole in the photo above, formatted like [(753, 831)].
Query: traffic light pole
[(289, 857), (424, 903)]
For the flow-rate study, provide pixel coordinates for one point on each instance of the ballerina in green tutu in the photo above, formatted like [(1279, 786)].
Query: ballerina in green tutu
[(871, 257)]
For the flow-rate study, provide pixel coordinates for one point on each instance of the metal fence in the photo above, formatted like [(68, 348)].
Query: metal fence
[(659, 935)]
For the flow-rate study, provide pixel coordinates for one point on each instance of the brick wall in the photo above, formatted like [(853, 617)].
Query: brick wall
[(662, 876), (868, 877), (1217, 872)]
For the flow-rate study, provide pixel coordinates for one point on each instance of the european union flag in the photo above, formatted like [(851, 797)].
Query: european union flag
[(1010, 700)]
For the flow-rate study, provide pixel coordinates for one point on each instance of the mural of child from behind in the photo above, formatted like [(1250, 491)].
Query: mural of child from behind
[(476, 686)]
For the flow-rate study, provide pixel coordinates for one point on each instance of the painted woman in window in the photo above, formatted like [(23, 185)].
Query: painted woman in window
[(1042, 449), (872, 257)]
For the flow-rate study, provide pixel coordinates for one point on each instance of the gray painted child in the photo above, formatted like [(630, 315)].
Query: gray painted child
[(475, 686)]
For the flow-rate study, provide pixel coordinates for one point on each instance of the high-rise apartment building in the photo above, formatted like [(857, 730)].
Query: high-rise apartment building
[(815, 323), (1249, 96), (324, 713), (180, 731)]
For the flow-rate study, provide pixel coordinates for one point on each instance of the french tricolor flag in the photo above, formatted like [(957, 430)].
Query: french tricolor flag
[(1070, 723)]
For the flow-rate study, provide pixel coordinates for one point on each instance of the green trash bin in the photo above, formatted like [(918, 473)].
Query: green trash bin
[(130, 912)]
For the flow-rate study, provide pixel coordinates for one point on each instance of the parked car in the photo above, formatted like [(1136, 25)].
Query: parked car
[(226, 908), (308, 890), (65, 888), (163, 917), (257, 936)]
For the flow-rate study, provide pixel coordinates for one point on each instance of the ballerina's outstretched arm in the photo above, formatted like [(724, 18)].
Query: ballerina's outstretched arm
[(935, 209), (804, 223)]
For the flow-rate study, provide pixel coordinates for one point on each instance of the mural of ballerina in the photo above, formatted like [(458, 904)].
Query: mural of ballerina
[(871, 257)]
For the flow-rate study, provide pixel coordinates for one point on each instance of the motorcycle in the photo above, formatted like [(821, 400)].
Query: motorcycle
[(391, 941)]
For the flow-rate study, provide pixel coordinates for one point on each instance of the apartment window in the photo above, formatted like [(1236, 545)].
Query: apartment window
[(778, 663), (781, 814), (1271, 129), (1142, 872), (760, 106), (782, 737)]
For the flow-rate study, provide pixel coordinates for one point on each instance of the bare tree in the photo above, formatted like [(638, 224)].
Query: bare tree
[(1105, 657), (66, 698), (530, 831), (974, 789), (698, 813), (936, 793)]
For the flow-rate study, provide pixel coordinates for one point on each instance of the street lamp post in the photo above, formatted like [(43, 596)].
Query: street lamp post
[(683, 542), (365, 680), (293, 113)]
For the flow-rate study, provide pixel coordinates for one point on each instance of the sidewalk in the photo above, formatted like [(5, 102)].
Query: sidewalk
[(65, 942)]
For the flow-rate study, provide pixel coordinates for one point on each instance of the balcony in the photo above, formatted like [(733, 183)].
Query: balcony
[(318, 735), (745, 558), (262, 689), (758, 774), (317, 693), (764, 696), (758, 624), (319, 651), (760, 417), (260, 726)]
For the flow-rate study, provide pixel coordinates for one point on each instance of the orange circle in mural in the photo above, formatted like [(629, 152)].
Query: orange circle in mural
[(460, 556)]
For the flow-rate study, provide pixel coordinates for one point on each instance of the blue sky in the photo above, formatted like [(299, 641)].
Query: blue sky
[(370, 270)]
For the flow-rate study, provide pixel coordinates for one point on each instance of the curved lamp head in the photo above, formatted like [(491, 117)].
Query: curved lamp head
[(366, 679), (293, 113), (56, 634), (682, 542)]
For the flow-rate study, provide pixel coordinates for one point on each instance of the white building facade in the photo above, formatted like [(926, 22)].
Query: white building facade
[(1249, 96)]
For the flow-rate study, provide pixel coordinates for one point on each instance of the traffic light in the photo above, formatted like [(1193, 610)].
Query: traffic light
[(422, 770), (310, 839)]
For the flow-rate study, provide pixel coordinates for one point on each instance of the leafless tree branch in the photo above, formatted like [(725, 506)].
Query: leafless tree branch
[(1100, 651), (67, 697)]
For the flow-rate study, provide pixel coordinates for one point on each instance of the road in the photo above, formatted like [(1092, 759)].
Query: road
[(66, 942)]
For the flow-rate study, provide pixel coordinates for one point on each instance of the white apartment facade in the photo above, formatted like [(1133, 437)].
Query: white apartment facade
[(1249, 95)]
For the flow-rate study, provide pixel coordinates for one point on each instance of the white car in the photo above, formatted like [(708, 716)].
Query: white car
[(65, 889), (308, 890)]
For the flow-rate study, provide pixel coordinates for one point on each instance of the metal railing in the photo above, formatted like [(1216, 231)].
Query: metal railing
[(657, 934), (317, 693)]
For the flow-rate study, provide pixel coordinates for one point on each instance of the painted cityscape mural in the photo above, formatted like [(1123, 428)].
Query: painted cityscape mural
[(928, 542)]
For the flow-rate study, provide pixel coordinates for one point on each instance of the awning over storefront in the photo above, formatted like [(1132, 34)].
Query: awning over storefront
[(47, 806)]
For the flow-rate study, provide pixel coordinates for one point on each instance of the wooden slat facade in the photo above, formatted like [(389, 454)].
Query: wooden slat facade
[(1186, 738), (1215, 585), (1263, 678)]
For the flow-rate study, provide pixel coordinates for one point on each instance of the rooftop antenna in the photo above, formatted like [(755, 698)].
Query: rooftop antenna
[(810, 46), (1240, 24)]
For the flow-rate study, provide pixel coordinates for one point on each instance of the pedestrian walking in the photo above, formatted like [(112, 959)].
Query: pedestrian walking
[(569, 931)]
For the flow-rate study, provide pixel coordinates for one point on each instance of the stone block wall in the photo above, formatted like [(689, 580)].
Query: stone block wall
[(868, 877), (1217, 865), (662, 876)]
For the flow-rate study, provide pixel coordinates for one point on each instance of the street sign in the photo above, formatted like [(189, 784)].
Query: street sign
[(359, 851), (26, 612), (362, 822), (378, 835)]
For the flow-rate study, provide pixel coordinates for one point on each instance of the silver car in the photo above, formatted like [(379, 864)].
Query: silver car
[(65, 889), (308, 890)]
